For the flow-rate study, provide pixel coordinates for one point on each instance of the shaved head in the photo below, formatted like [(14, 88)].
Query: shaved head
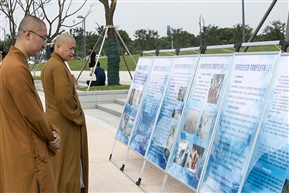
[(31, 37), (65, 45), (30, 23), (64, 38)]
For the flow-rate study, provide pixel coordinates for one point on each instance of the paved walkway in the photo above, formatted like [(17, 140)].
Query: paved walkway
[(105, 175)]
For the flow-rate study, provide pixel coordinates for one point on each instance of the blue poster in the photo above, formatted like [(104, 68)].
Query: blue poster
[(240, 115), (150, 104), (187, 160), (269, 167), (133, 100), (166, 128)]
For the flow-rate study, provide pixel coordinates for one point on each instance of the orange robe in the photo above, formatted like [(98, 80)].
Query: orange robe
[(64, 110), (25, 164)]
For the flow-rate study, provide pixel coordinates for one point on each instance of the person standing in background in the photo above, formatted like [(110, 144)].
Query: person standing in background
[(64, 110), (91, 60), (27, 138)]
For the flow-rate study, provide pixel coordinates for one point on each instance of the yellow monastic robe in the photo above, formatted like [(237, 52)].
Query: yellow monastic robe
[(25, 164), (64, 110)]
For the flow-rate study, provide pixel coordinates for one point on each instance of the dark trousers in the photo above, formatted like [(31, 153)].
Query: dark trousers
[(95, 83)]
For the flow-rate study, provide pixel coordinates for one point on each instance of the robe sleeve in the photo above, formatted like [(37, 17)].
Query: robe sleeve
[(65, 95), (28, 102)]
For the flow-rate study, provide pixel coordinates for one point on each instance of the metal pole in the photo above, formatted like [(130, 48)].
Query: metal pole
[(243, 19), (287, 30), (261, 23), (200, 24), (172, 41), (84, 40)]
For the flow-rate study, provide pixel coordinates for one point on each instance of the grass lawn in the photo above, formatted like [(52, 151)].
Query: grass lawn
[(107, 87), (95, 88), (127, 63)]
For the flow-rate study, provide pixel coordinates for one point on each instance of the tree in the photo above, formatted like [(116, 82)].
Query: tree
[(238, 33), (8, 8), (210, 34), (226, 36), (146, 40), (164, 43), (12, 8), (113, 57), (274, 31), (64, 11), (183, 39)]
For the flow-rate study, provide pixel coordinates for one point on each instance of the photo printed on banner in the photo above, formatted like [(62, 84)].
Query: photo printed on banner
[(199, 117), (133, 101), (240, 114), (167, 124)]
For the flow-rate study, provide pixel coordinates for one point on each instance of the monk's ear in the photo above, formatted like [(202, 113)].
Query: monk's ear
[(26, 34), (57, 46)]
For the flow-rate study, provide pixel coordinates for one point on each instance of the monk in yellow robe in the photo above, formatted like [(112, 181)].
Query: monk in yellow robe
[(27, 139), (64, 110)]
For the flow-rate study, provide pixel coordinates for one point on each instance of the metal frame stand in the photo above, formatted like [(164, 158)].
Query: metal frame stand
[(103, 35)]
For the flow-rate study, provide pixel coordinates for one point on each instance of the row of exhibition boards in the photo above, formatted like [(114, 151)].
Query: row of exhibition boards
[(215, 122)]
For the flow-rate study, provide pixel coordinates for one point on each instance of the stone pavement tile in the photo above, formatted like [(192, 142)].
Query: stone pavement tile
[(105, 175)]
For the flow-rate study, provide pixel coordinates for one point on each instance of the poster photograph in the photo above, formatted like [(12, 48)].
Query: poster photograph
[(199, 118), (215, 87), (195, 158), (134, 99), (182, 153), (167, 122), (181, 93), (204, 125), (191, 121), (126, 124), (241, 111)]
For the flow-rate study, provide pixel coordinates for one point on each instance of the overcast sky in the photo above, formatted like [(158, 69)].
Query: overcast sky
[(132, 15)]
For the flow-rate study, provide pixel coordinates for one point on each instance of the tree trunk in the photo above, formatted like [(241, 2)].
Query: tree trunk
[(112, 46), (112, 62)]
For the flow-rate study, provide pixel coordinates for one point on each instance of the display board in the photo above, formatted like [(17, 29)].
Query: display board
[(149, 106), (240, 115), (269, 166), (216, 122), (133, 100), (167, 124), (200, 113)]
